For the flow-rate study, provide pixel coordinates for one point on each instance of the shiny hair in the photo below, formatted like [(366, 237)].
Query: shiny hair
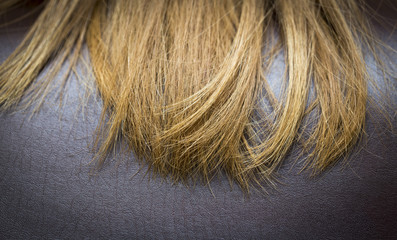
[(183, 83)]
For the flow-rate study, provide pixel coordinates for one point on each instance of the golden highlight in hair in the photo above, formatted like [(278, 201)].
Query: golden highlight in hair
[(183, 82)]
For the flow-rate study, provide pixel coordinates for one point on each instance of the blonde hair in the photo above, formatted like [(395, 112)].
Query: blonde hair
[(184, 84)]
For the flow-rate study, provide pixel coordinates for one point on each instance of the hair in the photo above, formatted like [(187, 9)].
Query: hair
[(183, 83)]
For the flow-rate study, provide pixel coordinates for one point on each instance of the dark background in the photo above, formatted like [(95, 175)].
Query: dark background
[(46, 190)]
